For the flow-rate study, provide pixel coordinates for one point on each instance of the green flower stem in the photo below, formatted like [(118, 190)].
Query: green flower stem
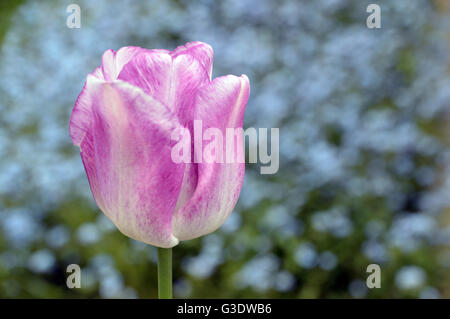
[(165, 273)]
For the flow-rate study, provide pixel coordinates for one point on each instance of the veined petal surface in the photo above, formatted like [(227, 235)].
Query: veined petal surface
[(126, 154), (220, 104)]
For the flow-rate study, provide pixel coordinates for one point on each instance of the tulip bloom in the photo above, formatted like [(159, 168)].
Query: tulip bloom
[(124, 121)]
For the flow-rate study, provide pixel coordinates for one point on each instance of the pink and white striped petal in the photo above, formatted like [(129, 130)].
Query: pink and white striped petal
[(173, 81), (220, 104), (126, 154)]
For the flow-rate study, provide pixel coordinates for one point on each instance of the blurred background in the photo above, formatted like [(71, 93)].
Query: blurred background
[(364, 150)]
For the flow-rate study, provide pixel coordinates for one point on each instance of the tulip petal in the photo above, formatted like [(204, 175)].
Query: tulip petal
[(81, 117), (220, 104), (202, 52), (126, 152), (98, 73), (173, 81), (151, 72), (113, 62)]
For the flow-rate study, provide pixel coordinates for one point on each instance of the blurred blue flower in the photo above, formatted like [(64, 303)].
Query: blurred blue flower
[(410, 277)]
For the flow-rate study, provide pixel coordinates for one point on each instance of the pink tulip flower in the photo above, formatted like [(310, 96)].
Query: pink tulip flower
[(123, 122)]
